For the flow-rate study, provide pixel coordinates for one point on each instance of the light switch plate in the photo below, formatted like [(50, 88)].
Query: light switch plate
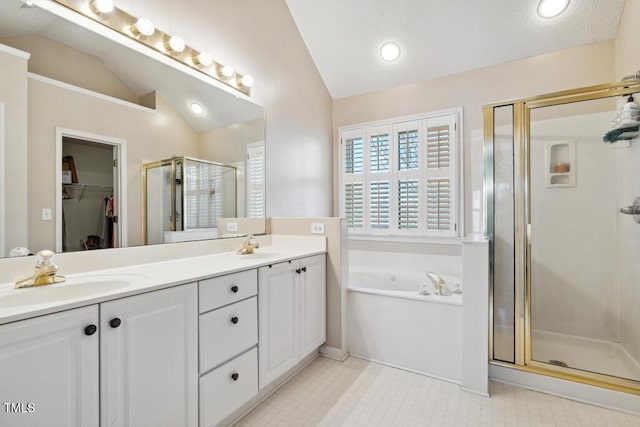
[(46, 214), (317, 228), (232, 226)]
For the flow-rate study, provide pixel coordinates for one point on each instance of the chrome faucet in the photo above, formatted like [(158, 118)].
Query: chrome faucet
[(249, 245), (439, 283), (45, 273)]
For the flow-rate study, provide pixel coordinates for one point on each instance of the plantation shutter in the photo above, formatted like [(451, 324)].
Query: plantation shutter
[(408, 143), (378, 158), (255, 180), (440, 172), (353, 191), (203, 200)]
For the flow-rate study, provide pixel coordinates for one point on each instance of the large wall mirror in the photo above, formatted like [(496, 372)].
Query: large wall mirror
[(83, 118)]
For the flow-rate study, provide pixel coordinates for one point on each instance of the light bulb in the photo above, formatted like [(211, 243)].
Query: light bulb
[(390, 51), (143, 27), (176, 44), (246, 81), (102, 6), (227, 71), (204, 59), (551, 8), (197, 108)]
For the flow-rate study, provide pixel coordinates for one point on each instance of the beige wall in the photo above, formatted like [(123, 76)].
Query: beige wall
[(260, 38), (215, 144), (13, 94), (565, 69), (150, 135), (60, 62), (626, 43)]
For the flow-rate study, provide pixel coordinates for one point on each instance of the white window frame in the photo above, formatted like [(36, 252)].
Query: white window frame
[(395, 125)]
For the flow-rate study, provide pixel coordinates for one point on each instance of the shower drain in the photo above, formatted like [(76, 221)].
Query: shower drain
[(558, 363)]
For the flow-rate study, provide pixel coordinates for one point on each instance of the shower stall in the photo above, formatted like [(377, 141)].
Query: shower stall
[(184, 198), (561, 177)]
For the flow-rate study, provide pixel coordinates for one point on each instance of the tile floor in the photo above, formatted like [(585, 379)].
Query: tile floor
[(360, 393)]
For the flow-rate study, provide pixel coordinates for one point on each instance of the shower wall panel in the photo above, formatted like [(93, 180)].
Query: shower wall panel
[(575, 284)]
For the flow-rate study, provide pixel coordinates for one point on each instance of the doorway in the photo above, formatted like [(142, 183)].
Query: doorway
[(90, 205)]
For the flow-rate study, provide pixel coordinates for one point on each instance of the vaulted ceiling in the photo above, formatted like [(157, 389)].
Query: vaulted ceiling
[(437, 37)]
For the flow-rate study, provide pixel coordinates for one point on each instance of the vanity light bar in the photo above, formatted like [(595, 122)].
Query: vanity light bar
[(143, 31)]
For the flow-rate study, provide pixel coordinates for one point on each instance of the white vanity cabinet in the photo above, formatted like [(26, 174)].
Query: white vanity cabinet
[(291, 301), (133, 364), (149, 359), (228, 338), (49, 370)]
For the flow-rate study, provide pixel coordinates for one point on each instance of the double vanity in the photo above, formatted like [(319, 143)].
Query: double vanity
[(185, 342)]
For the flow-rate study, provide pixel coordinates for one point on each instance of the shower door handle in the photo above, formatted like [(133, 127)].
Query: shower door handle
[(631, 210), (634, 210)]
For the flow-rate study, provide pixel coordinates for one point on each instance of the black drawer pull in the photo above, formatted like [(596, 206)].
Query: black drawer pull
[(235, 289), (90, 329), (235, 376), (298, 270), (304, 269), (115, 322), (234, 320)]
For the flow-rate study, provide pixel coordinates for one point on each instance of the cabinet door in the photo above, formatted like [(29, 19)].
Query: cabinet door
[(49, 370), (149, 359), (312, 304), (277, 326)]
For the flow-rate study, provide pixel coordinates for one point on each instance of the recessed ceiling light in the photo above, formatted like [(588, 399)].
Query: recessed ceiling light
[(390, 51), (197, 108), (552, 8)]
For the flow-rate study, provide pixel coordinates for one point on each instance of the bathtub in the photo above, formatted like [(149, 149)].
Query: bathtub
[(389, 322)]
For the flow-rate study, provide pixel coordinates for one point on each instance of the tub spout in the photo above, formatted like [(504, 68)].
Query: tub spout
[(439, 284)]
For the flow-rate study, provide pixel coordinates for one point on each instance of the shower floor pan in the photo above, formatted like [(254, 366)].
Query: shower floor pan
[(587, 354)]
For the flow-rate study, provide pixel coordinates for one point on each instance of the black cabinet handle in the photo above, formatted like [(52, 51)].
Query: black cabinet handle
[(298, 271), (304, 269), (235, 289), (115, 322), (235, 376), (234, 320), (90, 329)]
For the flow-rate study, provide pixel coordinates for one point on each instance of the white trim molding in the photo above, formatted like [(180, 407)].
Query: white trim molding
[(120, 190)]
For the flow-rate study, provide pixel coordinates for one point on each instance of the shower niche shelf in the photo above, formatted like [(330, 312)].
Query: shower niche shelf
[(560, 164)]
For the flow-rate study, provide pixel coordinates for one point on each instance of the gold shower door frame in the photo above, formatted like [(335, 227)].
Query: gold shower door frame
[(522, 227)]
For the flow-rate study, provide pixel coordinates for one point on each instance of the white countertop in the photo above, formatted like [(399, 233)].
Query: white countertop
[(141, 278)]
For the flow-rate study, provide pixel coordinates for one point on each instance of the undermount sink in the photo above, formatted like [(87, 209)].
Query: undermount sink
[(73, 288)]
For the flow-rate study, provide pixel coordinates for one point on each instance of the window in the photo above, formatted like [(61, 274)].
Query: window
[(255, 183), (400, 178)]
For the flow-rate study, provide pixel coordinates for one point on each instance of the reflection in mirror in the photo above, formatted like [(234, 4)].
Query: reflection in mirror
[(76, 82), (185, 199)]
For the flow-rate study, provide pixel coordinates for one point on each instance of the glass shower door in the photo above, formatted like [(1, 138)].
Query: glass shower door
[(583, 252)]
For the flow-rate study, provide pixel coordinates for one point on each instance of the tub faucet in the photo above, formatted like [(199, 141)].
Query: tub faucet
[(439, 284), (249, 245), (45, 273)]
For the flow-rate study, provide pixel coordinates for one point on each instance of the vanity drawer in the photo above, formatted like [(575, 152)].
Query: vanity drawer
[(228, 387), (224, 290), (227, 331)]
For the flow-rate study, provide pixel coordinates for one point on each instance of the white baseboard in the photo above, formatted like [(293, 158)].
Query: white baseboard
[(333, 353), (391, 365), (479, 393)]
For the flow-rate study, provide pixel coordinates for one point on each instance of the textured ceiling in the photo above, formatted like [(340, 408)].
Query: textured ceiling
[(437, 37)]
